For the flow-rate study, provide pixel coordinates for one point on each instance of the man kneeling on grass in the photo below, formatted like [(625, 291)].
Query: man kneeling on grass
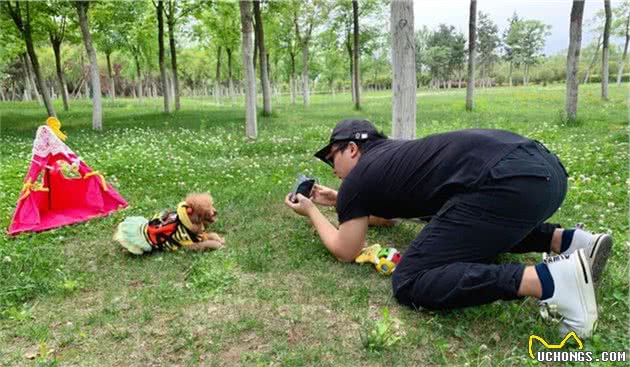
[(486, 192)]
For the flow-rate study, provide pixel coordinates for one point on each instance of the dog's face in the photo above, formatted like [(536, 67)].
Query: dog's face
[(201, 208)]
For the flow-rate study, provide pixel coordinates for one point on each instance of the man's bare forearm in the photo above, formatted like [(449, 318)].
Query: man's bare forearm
[(327, 232)]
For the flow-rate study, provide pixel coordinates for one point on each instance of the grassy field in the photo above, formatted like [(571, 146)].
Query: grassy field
[(274, 296)]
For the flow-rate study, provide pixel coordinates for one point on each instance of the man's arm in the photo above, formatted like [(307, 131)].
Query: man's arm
[(380, 222), (344, 243), (326, 196)]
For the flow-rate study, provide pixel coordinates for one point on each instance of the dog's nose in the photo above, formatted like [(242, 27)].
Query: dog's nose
[(216, 212)]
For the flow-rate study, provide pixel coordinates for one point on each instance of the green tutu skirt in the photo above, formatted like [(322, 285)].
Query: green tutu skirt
[(130, 235)]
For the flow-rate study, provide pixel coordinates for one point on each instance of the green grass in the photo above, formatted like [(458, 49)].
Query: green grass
[(274, 295)]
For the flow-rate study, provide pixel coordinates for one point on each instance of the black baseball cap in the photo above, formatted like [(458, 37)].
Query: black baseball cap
[(349, 130)]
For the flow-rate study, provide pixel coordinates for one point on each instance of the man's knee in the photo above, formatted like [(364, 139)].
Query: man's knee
[(412, 292), (416, 293)]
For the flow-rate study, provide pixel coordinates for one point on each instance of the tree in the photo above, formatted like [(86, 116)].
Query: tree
[(472, 43), (573, 58), (112, 36), (264, 73), (159, 8), (57, 25), (595, 25), (511, 38), (446, 53), (524, 42), (590, 65), (487, 42), (251, 129), (23, 25), (97, 109), (221, 20), (404, 72), (532, 42), (355, 55), (624, 16), (422, 40), (608, 12), (331, 50), (11, 60), (138, 42), (174, 13), (344, 16), (287, 41), (307, 15)]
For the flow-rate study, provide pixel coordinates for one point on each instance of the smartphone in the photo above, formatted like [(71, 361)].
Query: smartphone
[(303, 185)]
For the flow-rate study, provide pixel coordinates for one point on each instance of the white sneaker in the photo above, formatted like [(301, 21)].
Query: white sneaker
[(574, 295), (597, 247)]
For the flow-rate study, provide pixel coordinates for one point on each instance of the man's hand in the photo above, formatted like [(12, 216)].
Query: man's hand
[(302, 207), (323, 195)]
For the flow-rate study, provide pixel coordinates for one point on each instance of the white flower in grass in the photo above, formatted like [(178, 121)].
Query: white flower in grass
[(7, 259), (577, 206), (611, 204)]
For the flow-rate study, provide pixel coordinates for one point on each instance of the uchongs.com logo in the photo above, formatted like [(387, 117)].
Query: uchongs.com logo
[(552, 352)]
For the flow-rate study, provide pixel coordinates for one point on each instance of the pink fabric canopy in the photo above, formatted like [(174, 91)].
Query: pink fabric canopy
[(57, 200)]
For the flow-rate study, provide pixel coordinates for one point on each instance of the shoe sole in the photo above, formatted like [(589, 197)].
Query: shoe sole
[(598, 255), (586, 290)]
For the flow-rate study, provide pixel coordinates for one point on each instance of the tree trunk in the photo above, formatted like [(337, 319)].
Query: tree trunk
[(24, 26), (171, 41), (472, 44), (230, 81), (160, 17), (526, 75), (269, 74), (292, 81), (403, 63), (97, 112), (139, 76), (510, 74), (171, 84), (60, 77), (264, 70), (28, 92), (305, 87), (625, 52), (573, 58), (590, 66), (350, 57), (251, 129), (605, 50), (34, 83), (356, 72), (217, 79), (112, 86)]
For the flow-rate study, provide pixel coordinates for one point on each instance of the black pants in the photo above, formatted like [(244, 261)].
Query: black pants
[(449, 264)]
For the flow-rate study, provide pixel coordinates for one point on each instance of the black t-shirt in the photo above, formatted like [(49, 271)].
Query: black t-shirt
[(414, 178)]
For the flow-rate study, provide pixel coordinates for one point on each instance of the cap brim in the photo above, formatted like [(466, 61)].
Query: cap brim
[(323, 153)]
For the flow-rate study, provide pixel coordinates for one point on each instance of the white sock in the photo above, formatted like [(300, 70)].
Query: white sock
[(581, 239)]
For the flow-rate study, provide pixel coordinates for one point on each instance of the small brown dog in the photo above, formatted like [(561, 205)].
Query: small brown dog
[(170, 230), (202, 212)]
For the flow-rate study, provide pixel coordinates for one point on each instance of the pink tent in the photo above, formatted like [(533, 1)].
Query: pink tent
[(59, 200)]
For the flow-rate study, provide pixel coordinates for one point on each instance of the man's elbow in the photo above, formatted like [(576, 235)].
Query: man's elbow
[(346, 259), (348, 256)]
